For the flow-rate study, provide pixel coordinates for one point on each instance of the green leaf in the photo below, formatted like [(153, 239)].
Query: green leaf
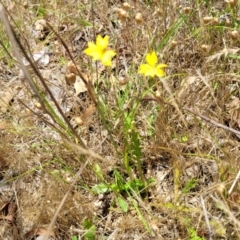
[(41, 11), (90, 234), (233, 56), (190, 185), (100, 188), (135, 184), (184, 139), (119, 181), (123, 204), (219, 228), (194, 236), (98, 171), (136, 144)]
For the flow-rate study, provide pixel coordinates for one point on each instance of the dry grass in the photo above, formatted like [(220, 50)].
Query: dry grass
[(131, 157)]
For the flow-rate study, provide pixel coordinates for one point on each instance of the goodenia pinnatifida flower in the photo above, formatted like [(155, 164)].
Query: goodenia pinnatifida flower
[(99, 51), (151, 68)]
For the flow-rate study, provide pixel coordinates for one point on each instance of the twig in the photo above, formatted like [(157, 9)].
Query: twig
[(6, 50), (225, 208), (219, 125), (43, 119), (173, 101), (87, 83), (234, 183), (50, 226), (85, 152), (206, 218), (15, 43)]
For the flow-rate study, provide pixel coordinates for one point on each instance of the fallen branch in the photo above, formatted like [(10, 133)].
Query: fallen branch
[(219, 125)]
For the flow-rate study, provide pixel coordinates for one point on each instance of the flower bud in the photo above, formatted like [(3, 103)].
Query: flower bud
[(72, 68), (174, 43), (207, 20), (205, 47), (122, 81), (187, 10), (40, 25), (79, 121), (234, 35), (157, 94), (56, 43), (159, 12), (228, 22), (25, 5), (221, 188), (126, 6), (232, 3), (70, 78), (215, 20), (122, 14), (38, 105), (139, 18)]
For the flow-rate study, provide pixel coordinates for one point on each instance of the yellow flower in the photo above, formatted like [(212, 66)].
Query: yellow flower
[(151, 69), (99, 51)]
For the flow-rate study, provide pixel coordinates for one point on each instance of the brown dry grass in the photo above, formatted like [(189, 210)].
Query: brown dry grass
[(193, 162)]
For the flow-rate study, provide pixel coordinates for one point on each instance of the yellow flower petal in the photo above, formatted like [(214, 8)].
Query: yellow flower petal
[(150, 69), (147, 70), (93, 51), (162, 65), (88, 50), (143, 68), (159, 70), (107, 57), (102, 43), (151, 59), (99, 50)]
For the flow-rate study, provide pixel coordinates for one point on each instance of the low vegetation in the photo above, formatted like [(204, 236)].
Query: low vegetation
[(119, 120)]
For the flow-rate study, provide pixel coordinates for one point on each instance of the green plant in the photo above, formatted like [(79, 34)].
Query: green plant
[(190, 185), (90, 228), (142, 123), (193, 235)]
